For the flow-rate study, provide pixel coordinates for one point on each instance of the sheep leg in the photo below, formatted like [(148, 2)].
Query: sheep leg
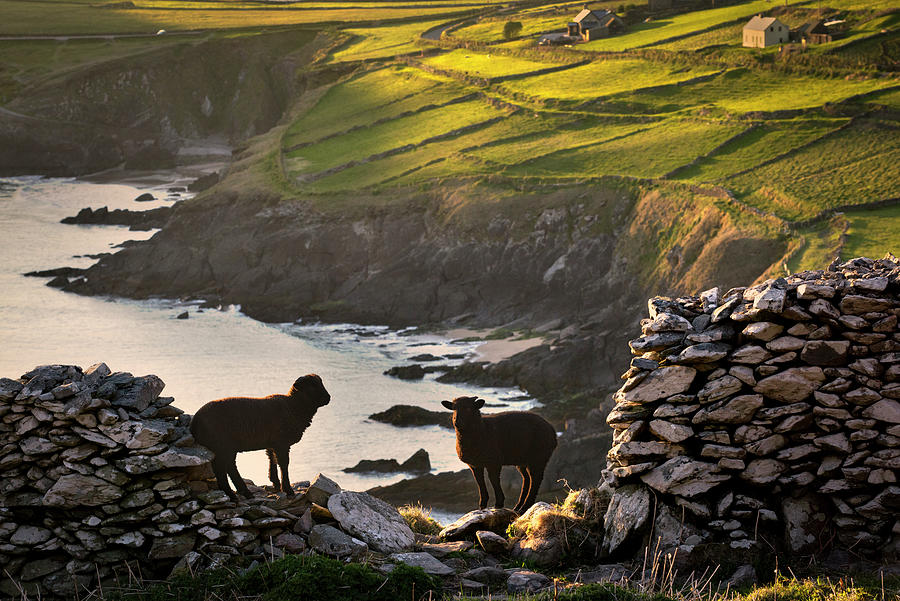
[(273, 469), (537, 475), (283, 454), (239, 483), (220, 469), (526, 488), (494, 474), (478, 472)]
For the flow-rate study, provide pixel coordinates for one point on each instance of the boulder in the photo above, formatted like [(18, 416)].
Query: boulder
[(492, 542), (526, 581), (321, 489), (372, 520), (410, 415), (495, 520)]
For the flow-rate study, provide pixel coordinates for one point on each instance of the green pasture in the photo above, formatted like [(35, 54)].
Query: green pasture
[(383, 41), (873, 232), (646, 34), (411, 130), (741, 90), (758, 144), (534, 20), (374, 95), (443, 152), (646, 153), (484, 64), (856, 165), (48, 17), (604, 77), (556, 135)]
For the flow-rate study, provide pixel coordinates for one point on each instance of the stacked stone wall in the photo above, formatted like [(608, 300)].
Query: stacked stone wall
[(100, 478), (764, 418)]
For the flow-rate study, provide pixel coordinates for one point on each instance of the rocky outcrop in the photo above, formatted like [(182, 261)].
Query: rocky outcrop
[(767, 415), (137, 220), (418, 463)]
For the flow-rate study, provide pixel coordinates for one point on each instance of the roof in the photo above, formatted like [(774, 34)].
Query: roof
[(759, 23), (585, 12), (813, 27)]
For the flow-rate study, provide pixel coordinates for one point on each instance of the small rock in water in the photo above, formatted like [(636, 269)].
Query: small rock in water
[(145, 197), (184, 315)]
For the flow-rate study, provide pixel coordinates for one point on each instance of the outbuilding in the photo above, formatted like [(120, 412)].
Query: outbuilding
[(595, 24), (762, 32)]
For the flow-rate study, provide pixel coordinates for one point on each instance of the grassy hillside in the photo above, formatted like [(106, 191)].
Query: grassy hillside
[(788, 133)]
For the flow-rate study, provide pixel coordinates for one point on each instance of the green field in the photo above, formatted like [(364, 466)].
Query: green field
[(603, 77), (675, 97)]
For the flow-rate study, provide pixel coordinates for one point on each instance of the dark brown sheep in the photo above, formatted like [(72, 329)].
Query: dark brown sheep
[(231, 425), (519, 438)]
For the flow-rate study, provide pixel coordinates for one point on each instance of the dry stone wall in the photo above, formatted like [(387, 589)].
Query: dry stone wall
[(765, 417), (100, 479)]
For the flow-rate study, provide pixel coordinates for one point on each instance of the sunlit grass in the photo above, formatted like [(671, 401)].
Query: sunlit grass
[(360, 144), (604, 77), (743, 90), (857, 165), (652, 152), (374, 95), (383, 41), (873, 232), (484, 64), (759, 144)]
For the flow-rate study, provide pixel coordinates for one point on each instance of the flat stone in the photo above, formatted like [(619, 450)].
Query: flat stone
[(771, 299), (738, 410), (526, 581), (427, 562), (669, 322), (763, 330), (825, 352), (750, 354), (885, 410), (75, 490), (656, 342), (684, 477), (812, 291), (321, 489), (639, 451), (763, 471), (792, 385), (785, 344), (30, 536), (659, 384), (859, 305), (703, 353), (719, 388), (670, 432), (823, 309)]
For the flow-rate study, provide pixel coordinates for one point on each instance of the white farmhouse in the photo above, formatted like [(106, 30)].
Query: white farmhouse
[(761, 32)]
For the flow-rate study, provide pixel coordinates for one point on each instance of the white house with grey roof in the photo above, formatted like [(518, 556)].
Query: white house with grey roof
[(761, 32)]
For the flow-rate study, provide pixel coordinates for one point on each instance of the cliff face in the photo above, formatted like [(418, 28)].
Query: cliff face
[(477, 255), (144, 109)]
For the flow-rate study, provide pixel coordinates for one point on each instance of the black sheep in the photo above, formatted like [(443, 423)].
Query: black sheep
[(231, 425), (519, 438)]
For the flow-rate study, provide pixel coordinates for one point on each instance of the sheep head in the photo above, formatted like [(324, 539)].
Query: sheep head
[(311, 388), (466, 414)]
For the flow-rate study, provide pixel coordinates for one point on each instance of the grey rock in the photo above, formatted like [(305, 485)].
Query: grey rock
[(792, 385), (321, 489), (425, 561), (885, 410), (670, 432), (703, 353), (492, 542), (495, 520), (526, 581), (684, 477), (626, 517), (372, 520), (331, 541), (738, 410), (659, 384), (763, 330), (75, 490)]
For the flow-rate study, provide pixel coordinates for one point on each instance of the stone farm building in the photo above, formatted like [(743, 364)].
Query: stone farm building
[(595, 24), (813, 32), (762, 32)]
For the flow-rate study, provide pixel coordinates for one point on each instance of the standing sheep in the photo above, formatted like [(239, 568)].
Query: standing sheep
[(231, 425), (519, 438)]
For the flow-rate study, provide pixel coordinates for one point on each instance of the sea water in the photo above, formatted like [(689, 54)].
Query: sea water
[(215, 352)]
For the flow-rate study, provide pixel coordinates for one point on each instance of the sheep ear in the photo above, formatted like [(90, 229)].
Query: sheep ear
[(479, 403), (448, 404)]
